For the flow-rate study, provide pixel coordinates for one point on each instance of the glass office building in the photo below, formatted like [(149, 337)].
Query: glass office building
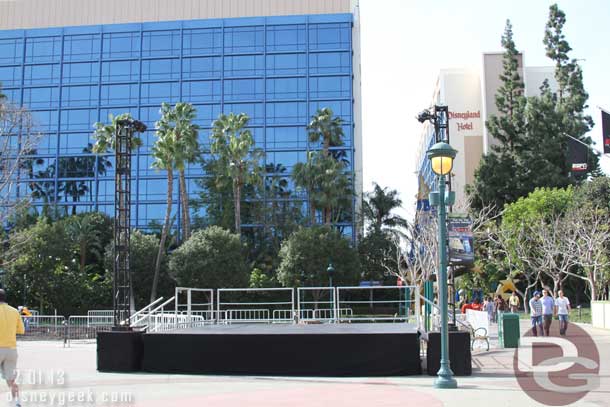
[(279, 70)]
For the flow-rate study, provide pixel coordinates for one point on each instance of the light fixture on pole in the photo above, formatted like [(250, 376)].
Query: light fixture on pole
[(441, 157), (331, 271)]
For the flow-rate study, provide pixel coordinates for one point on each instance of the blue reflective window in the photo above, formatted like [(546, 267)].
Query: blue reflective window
[(244, 65), (153, 189), (330, 36), (202, 41), (243, 89), (120, 71), (47, 144), (149, 115), (330, 87), (201, 68), (81, 119), (119, 94), (201, 91), (72, 143), (244, 39), (253, 110), (45, 120), (206, 114), (286, 158), (121, 45), (40, 97), (41, 74), (81, 72), (286, 137), (13, 95), (286, 88), (81, 47), (11, 51), (44, 49), (115, 111), (286, 37), (79, 96), (286, 112), (149, 137), (160, 69), (329, 62), (286, 64), (160, 92), (340, 108), (161, 43), (10, 75)]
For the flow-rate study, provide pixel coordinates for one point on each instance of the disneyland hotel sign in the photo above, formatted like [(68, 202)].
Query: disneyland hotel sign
[(464, 119)]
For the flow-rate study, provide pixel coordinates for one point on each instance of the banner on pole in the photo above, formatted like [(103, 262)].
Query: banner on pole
[(606, 131), (461, 244)]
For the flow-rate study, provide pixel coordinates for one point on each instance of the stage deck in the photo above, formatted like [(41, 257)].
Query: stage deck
[(296, 329)]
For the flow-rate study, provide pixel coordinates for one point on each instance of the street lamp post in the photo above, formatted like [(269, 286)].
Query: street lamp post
[(441, 156), (331, 271)]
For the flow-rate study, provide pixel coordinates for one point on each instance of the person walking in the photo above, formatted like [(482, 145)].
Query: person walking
[(514, 302), (548, 309), (488, 306), (562, 309), (499, 307), (10, 325), (536, 313)]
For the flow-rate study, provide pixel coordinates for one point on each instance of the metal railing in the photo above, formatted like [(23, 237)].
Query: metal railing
[(402, 308), (256, 305), (44, 327)]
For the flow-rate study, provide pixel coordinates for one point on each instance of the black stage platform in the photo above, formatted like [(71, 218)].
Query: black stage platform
[(359, 349)]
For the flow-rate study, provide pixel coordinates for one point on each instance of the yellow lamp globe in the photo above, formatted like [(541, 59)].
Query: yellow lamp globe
[(441, 157)]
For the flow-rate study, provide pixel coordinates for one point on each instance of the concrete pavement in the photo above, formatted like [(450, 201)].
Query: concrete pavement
[(55, 376)]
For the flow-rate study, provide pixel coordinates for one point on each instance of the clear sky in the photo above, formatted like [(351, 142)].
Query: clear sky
[(406, 42)]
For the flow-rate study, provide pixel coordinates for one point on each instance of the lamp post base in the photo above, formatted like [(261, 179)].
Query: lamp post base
[(444, 382)]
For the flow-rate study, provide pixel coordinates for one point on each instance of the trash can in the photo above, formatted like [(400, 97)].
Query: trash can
[(508, 330)]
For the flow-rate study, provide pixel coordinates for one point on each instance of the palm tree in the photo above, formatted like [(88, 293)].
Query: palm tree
[(179, 120), (377, 208), (238, 160), (87, 238), (303, 176), (164, 152), (105, 135), (326, 127)]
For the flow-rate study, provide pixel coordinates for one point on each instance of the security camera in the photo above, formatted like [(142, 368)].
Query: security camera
[(424, 115)]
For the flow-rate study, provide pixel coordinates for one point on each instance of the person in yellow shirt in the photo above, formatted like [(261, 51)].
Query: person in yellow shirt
[(514, 302), (10, 325)]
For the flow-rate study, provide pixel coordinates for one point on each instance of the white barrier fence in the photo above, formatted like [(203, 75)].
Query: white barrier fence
[(600, 314), (193, 307)]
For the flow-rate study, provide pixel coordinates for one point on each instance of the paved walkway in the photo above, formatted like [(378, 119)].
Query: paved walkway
[(52, 374)]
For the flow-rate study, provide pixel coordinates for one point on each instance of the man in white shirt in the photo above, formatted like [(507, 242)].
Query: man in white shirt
[(536, 314), (562, 309)]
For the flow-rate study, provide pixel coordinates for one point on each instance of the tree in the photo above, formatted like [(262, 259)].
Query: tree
[(141, 262), (326, 128), (40, 261), (571, 99), (105, 134), (377, 207), (211, 258), (380, 255), (165, 155), (87, 234), (179, 122), (306, 254), (17, 141), (236, 158), (533, 132), (499, 178)]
